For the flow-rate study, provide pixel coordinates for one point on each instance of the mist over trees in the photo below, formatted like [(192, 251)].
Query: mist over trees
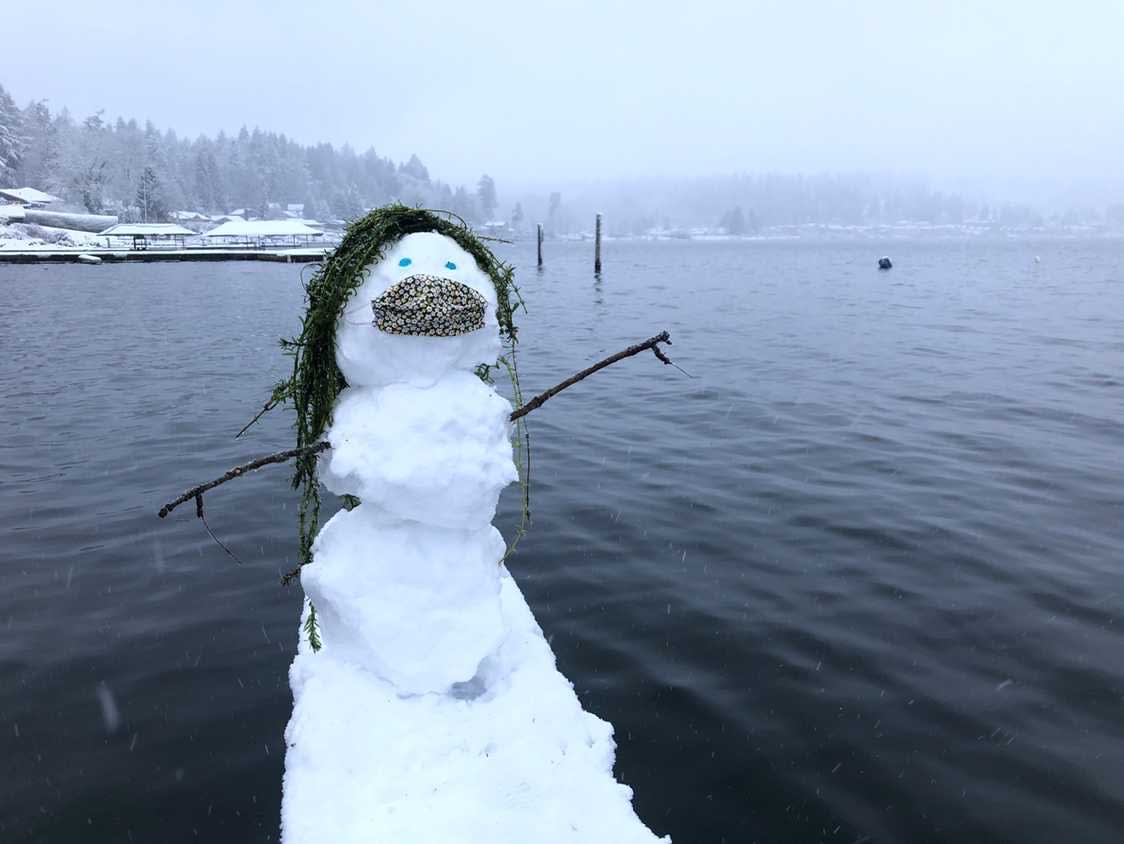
[(141, 172), (747, 204)]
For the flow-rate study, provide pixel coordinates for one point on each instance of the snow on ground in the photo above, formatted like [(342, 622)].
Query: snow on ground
[(27, 236)]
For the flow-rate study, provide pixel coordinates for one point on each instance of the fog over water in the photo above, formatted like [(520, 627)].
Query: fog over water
[(1018, 100)]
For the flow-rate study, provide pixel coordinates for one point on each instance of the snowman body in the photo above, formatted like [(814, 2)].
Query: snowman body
[(407, 584), (434, 710)]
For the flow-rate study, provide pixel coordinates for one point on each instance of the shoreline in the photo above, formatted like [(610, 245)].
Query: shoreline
[(76, 255)]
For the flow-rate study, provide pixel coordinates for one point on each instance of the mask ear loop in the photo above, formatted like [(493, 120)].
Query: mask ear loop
[(366, 274), (358, 309), (346, 321)]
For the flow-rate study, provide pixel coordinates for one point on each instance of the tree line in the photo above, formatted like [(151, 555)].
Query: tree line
[(140, 172)]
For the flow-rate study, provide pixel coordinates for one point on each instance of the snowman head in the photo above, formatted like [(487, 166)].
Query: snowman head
[(424, 308)]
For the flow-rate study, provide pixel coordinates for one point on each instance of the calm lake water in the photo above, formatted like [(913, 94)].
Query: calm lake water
[(857, 579)]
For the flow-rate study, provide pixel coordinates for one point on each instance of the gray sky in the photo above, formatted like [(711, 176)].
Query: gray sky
[(1017, 97)]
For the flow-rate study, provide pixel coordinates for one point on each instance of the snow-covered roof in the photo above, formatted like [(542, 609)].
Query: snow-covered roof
[(147, 230), (28, 195), (263, 228), (188, 215)]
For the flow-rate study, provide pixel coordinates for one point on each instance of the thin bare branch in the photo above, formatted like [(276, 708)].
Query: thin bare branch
[(239, 471), (651, 343)]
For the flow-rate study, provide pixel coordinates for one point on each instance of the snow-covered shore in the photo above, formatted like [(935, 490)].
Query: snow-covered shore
[(17, 236), (25, 243)]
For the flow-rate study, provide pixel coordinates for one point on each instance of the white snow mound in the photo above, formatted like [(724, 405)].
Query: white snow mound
[(418, 608), (521, 762), (438, 455)]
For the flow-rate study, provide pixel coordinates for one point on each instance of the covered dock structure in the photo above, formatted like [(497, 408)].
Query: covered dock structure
[(265, 233), (144, 233)]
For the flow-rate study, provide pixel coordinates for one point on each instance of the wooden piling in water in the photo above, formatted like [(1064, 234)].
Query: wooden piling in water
[(538, 236), (597, 246)]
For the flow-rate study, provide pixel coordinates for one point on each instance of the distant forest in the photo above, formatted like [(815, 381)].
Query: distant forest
[(748, 203), (142, 173)]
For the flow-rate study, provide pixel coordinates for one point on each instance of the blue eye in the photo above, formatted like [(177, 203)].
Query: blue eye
[(449, 265), (405, 262)]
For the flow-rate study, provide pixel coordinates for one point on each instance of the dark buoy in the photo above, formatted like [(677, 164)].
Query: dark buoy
[(884, 263)]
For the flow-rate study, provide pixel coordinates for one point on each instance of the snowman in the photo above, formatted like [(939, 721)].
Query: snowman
[(427, 706)]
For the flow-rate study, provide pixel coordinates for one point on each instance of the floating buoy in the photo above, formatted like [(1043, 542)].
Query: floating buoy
[(88, 259), (884, 263), (1037, 260)]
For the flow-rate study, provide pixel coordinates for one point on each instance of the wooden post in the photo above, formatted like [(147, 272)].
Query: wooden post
[(597, 247), (538, 236)]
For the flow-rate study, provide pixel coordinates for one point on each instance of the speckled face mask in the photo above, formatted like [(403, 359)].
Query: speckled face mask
[(429, 306)]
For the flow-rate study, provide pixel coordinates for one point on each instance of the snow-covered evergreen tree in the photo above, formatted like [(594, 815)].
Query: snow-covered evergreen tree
[(486, 194), (209, 192), (85, 163), (151, 199), (39, 161), (12, 140), (415, 169), (464, 205)]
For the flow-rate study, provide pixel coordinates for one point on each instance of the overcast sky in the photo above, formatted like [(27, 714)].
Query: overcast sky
[(1012, 96)]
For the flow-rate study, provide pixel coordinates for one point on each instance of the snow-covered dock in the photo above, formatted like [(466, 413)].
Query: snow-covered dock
[(74, 255)]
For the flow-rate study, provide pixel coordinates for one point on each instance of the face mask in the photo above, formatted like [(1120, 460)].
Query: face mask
[(429, 306)]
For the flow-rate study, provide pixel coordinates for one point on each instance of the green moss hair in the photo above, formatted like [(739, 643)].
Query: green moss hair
[(316, 380)]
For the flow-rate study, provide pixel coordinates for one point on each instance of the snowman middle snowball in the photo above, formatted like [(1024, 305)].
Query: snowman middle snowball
[(407, 584)]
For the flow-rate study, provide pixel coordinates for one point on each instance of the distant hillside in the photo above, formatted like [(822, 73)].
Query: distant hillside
[(123, 168)]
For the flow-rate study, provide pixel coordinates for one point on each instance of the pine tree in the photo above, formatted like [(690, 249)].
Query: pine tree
[(486, 194), (208, 189), (464, 205), (12, 140), (553, 213), (415, 169), (346, 204), (151, 198), (733, 221), (39, 162), (86, 163)]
